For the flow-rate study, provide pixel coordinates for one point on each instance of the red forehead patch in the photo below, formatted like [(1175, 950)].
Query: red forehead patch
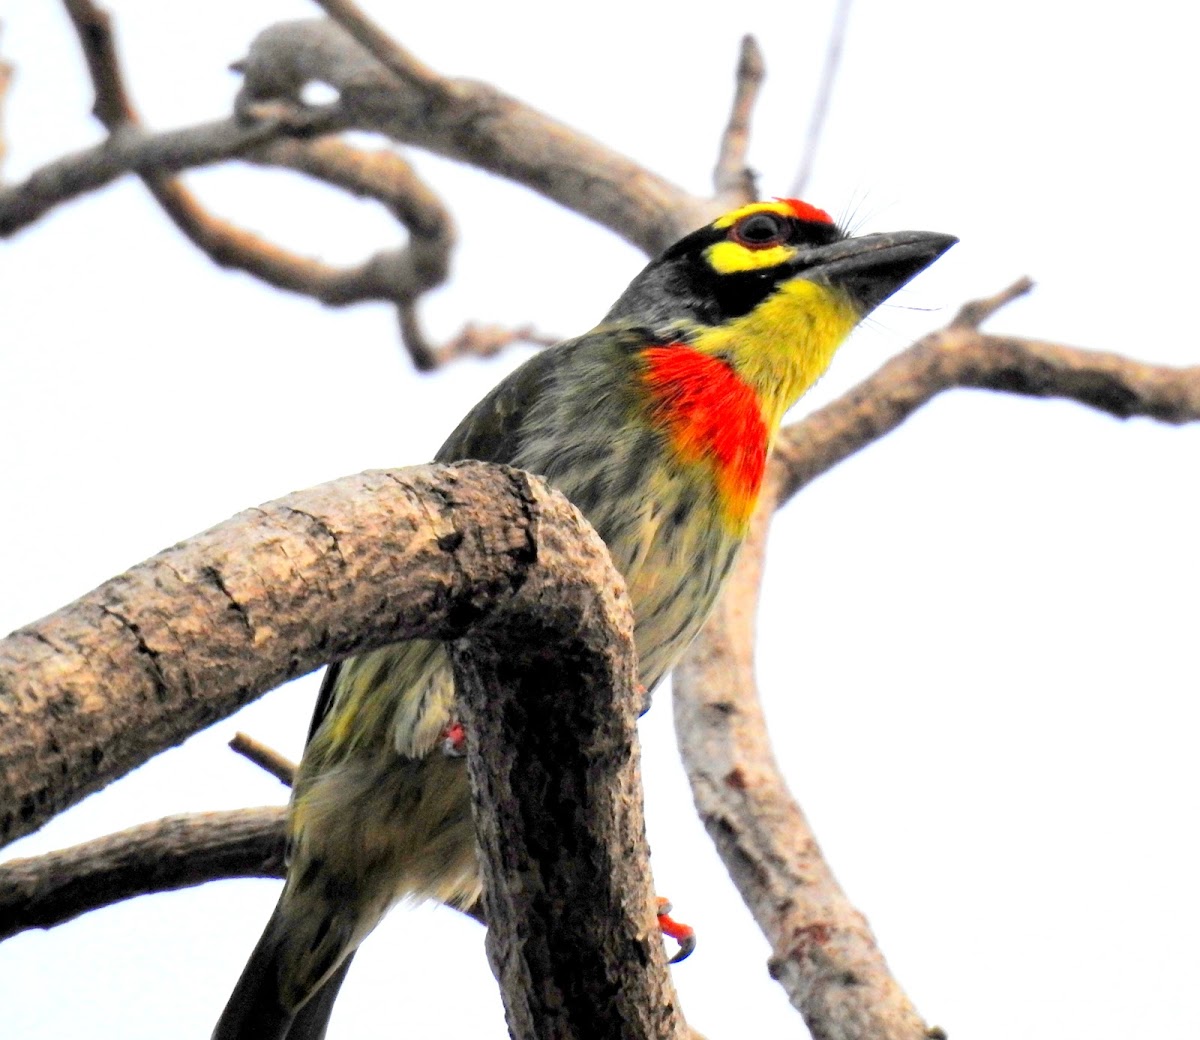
[(804, 211)]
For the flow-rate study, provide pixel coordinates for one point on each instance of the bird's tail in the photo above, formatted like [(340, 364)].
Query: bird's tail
[(287, 989)]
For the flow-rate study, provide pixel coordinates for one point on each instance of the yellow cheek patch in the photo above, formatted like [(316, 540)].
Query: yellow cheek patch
[(730, 257), (785, 344)]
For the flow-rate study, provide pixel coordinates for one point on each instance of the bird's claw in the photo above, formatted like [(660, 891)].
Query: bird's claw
[(683, 934)]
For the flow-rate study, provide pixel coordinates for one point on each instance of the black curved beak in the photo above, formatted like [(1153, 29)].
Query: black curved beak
[(869, 269)]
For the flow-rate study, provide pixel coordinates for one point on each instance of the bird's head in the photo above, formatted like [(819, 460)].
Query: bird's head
[(773, 288)]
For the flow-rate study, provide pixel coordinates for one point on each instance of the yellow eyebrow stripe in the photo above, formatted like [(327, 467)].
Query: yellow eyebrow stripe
[(782, 208), (730, 257)]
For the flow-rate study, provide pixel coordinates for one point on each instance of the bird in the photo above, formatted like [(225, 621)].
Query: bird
[(657, 425)]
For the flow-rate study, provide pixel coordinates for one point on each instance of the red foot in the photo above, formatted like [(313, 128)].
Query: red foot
[(643, 696), (454, 740), (683, 934)]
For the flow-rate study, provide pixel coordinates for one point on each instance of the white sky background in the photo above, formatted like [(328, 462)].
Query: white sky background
[(978, 638)]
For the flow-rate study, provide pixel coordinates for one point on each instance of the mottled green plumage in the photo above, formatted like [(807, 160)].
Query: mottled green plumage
[(379, 811)]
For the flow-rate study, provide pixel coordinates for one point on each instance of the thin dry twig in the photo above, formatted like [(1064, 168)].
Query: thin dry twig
[(733, 179), (974, 313), (816, 121), (279, 766), (478, 341)]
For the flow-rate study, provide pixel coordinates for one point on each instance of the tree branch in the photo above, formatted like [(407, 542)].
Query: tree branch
[(399, 276), (135, 151), (463, 120), (175, 852), (192, 634), (472, 551), (550, 709), (396, 59), (824, 954), (472, 341), (961, 356), (477, 124), (733, 180)]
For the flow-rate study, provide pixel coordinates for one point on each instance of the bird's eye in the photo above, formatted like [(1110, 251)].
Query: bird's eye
[(760, 230)]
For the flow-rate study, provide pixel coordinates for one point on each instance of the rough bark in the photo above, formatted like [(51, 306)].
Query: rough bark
[(189, 636), (550, 709)]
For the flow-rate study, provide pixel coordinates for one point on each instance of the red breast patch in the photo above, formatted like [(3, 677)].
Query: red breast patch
[(711, 414)]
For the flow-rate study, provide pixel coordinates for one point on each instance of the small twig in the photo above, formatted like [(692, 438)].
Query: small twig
[(112, 106), (816, 121), (280, 767), (388, 52), (733, 180), (478, 341), (974, 313)]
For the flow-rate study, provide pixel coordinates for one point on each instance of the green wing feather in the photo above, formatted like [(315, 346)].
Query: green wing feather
[(490, 432)]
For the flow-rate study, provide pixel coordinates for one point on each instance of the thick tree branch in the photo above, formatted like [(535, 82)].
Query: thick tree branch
[(192, 634), (175, 852), (484, 557), (824, 954), (962, 356), (550, 709), (733, 179)]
